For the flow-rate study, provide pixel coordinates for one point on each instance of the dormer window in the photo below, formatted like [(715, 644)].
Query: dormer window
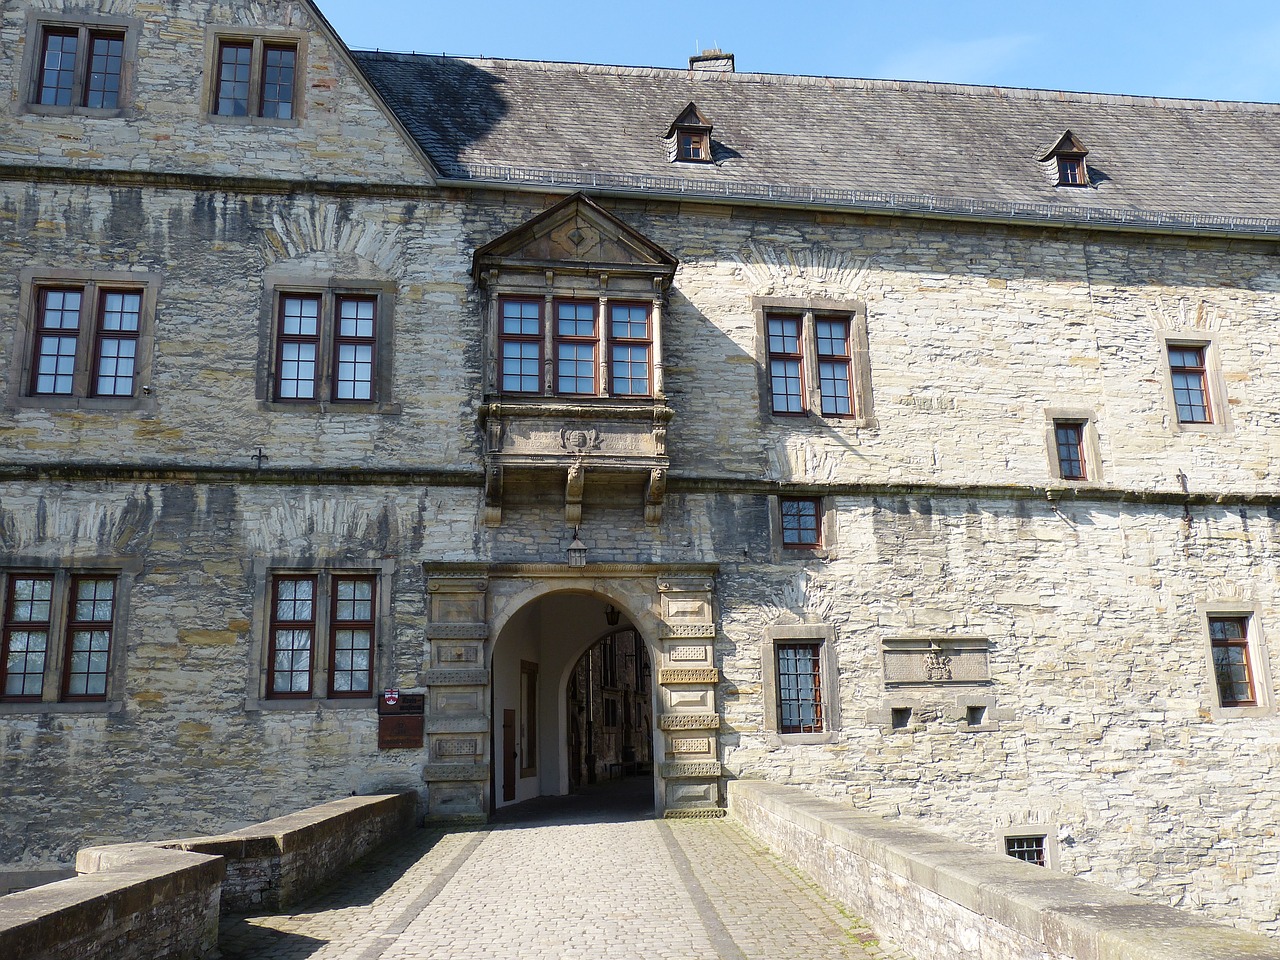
[(1068, 153), (689, 137)]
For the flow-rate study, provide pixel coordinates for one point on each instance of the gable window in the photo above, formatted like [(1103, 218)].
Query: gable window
[(330, 346), (816, 358), (689, 137), (1067, 154), (1069, 440), (801, 522), (79, 67), (321, 635), (1229, 640), (1187, 372), (692, 145), (1070, 172), (256, 77), (57, 638)]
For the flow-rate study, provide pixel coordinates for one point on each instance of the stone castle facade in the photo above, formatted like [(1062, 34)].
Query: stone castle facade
[(934, 468)]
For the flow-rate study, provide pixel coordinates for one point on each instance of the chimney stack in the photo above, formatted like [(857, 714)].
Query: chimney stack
[(713, 60)]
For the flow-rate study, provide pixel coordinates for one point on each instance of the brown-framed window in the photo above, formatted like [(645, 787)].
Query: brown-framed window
[(298, 347), (326, 347), (355, 348), (90, 620), (630, 348), (520, 346), (835, 361), (693, 145), (72, 358), (1190, 383), (1027, 849), (351, 629), (1233, 673), (576, 341), (255, 78), (801, 522), (80, 607), (1071, 172), (1068, 437), (28, 617), (293, 636), (799, 674), (80, 67), (786, 364)]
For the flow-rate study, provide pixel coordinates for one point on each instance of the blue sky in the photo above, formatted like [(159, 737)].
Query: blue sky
[(1226, 50)]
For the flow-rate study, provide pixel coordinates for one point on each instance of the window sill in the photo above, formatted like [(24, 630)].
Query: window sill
[(331, 408), (309, 704), (800, 739), (70, 707), (88, 404), (1179, 427), (97, 113), (252, 121), (1240, 713), (829, 419)]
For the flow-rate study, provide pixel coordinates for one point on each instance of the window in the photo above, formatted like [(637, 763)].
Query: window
[(1229, 641), (89, 339), (575, 346), (816, 359), (1026, 849), (689, 137), (799, 688), (521, 339), (328, 347), (799, 674), (1071, 172), (58, 629), (692, 145), (1188, 374), (256, 77), (801, 521), (1067, 154), (321, 635), (80, 67), (1069, 441), (629, 351)]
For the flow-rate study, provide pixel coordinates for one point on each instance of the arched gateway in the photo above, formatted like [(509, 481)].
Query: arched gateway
[(504, 640)]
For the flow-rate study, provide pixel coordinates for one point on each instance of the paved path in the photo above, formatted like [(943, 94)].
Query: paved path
[(570, 882)]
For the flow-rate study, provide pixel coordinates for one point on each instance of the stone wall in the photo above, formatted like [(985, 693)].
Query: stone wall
[(945, 900)]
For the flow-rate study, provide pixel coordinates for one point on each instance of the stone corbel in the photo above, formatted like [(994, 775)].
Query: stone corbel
[(573, 494), (655, 494), (493, 495)]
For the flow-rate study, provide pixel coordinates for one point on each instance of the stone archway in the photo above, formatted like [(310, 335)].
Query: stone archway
[(670, 605)]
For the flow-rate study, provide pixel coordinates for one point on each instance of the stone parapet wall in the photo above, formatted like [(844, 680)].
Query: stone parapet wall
[(948, 901)]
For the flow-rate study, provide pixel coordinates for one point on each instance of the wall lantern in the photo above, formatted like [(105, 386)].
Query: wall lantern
[(611, 615), (577, 551)]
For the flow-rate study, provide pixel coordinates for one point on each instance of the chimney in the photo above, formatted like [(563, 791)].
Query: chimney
[(713, 60)]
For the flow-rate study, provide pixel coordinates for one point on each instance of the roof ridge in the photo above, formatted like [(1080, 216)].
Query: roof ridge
[(854, 83)]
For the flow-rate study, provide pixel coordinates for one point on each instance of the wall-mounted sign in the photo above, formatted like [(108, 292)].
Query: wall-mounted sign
[(401, 719)]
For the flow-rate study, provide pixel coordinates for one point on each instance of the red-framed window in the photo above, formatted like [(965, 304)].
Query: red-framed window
[(835, 364), (630, 350), (90, 620), (279, 66), (256, 78), (235, 70), (293, 636), (355, 348), (799, 671), (351, 632), (28, 623), (326, 347), (298, 347), (1232, 670), (57, 341), (80, 67), (801, 522), (1068, 438), (1190, 383), (72, 358), (116, 343), (520, 346), (786, 363), (577, 339)]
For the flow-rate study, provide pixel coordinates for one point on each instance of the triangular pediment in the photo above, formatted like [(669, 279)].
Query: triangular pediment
[(1067, 145), (576, 231), (690, 118)]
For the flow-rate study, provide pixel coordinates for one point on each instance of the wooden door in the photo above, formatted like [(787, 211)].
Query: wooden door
[(508, 755)]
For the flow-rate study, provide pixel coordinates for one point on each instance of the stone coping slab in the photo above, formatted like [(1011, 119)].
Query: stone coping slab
[(1055, 915)]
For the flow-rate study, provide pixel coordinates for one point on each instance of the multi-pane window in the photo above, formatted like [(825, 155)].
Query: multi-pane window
[(692, 145), (1229, 640), (786, 363), (1026, 849), (1068, 439), (629, 344), (521, 346), (575, 343), (80, 67), (322, 625), (1071, 172), (799, 687), (801, 521), (256, 78), (326, 347), (834, 365), (39, 607), (86, 341), (1190, 383)]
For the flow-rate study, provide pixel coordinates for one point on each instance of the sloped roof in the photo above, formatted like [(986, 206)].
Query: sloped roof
[(871, 144)]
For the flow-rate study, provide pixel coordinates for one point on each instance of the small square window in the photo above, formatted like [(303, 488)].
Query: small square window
[(801, 522), (1232, 670), (1026, 849), (693, 145), (255, 77), (899, 718)]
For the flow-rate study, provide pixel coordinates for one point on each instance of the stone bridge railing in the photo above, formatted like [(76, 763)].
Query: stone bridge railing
[(161, 901), (946, 900)]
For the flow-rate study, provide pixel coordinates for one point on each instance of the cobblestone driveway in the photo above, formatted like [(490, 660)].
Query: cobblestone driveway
[(566, 886)]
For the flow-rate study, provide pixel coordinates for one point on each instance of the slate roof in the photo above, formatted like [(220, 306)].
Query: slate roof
[(869, 144)]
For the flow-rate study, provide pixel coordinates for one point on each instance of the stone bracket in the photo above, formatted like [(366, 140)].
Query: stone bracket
[(655, 494), (574, 483)]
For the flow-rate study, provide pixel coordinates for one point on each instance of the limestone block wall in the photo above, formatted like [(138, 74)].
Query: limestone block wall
[(165, 123)]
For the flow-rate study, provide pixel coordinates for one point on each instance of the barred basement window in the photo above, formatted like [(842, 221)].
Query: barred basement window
[(1026, 849), (799, 687)]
